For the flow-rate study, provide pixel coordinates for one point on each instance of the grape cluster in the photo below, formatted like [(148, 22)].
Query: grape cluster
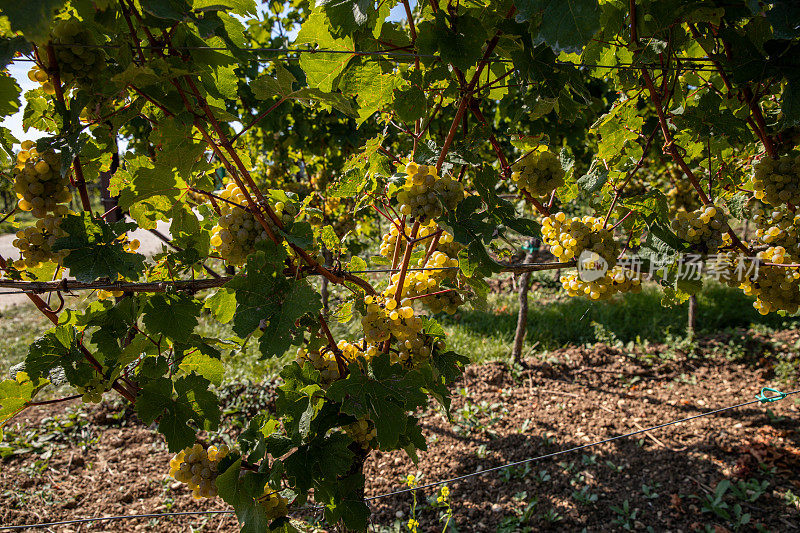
[(237, 230), (539, 173), (78, 55), (434, 278), (40, 76), (569, 237), (777, 181), (323, 361), (776, 288), (779, 227), (197, 467), (615, 281), (361, 431), (385, 319), (40, 187), (275, 505), (93, 390), (35, 242), (424, 193), (682, 195), (390, 239), (703, 227)]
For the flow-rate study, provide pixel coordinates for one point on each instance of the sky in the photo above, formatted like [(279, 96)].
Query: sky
[(19, 71)]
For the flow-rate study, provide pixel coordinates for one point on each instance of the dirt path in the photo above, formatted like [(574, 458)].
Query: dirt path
[(111, 465), (150, 244)]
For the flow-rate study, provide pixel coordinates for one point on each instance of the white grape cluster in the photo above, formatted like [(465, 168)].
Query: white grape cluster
[(275, 506), (93, 390), (35, 242), (617, 280), (40, 76), (322, 360), (197, 467), (704, 227), (539, 173), (568, 237), (777, 181), (425, 194), (362, 431), (38, 183), (434, 278), (76, 50), (390, 239), (776, 288), (779, 226), (386, 319), (237, 230), (682, 194)]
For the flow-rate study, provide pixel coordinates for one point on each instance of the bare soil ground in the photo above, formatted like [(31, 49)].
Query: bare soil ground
[(106, 464)]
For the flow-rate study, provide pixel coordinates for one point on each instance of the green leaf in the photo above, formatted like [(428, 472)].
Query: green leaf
[(241, 489), (203, 365), (58, 349), (364, 80), (329, 238), (322, 69), (566, 24), (32, 18), (190, 400), (94, 251), (266, 298), (790, 102), (9, 95), (385, 397), (15, 394), (462, 47), (222, 305), (172, 315), (10, 47), (595, 177), (322, 459)]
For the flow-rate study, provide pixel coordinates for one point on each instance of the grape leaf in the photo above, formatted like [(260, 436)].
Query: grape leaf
[(190, 400), (566, 24), (266, 298), (9, 95), (32, 18), (94, 251), (15, 394), (201, 364), (241, 490), (373, 89), (384, 397), (222, 305), (172, 315), (322, 69)]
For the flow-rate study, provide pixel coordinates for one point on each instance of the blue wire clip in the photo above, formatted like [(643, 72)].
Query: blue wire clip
[(768, 399)]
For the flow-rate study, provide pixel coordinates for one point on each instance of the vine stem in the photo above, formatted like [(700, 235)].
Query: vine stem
[(624, 184), (398, 295), (58, 400), (413, 30), (467, 96), (536, 203), (80, 181)]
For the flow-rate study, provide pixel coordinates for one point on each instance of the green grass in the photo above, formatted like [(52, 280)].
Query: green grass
[(638, 318)]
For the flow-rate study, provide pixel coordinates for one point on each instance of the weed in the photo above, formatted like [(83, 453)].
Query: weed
[(625, 515)]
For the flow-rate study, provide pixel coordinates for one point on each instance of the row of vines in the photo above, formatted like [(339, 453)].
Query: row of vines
[(280, 140)]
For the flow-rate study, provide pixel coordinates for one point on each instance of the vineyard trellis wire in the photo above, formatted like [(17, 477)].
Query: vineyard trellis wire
[(761, 397)]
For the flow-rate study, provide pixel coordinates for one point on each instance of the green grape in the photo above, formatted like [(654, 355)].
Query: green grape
[(275, 505), (615, 281), (237, 230), (704, 227), (569, 237), (323, 361), (420, 196), (777, 181), (197, 467), (77, 53), (35, 242), (539, 173), (776, 288), (38, 183), (682, 195), (93, 390), (778, 226), (361, 431)]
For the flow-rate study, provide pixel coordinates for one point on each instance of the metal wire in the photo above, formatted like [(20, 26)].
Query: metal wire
[(570, 450), (410, 489)]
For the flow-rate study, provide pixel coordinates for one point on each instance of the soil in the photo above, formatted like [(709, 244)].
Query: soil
[(567, 398)]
